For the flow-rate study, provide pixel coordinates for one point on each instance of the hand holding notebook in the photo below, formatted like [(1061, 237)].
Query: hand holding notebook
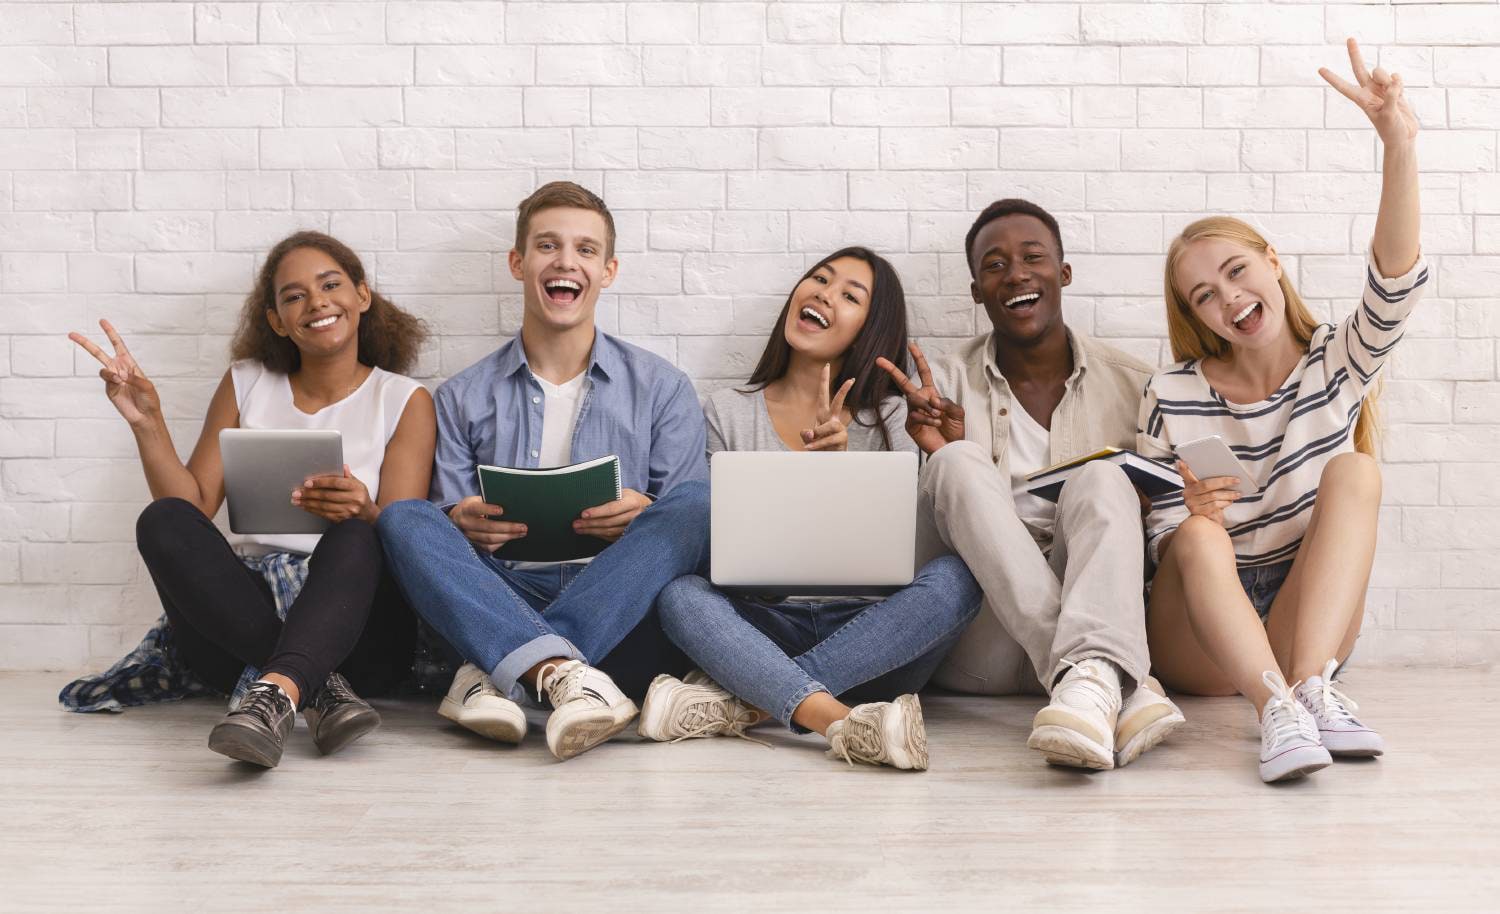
[(548, 502)]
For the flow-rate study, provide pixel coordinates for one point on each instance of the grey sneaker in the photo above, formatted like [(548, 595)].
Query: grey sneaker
[(256, 731), (337, 717), (676, 709), (882, 733)]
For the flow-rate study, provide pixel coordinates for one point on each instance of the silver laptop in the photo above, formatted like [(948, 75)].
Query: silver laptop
[(813, 524), (263, 466)]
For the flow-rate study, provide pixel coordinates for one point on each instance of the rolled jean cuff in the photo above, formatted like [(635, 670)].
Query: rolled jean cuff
[(811, 688), (507, 673), (1131, 670)]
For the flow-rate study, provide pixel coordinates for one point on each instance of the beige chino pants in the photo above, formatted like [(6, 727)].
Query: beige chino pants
[(1080, 598)]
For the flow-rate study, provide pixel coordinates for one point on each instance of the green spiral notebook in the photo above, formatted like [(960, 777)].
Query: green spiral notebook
[(547, 501)]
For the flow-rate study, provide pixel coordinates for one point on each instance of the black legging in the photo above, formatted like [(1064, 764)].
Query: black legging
[(349, 616)]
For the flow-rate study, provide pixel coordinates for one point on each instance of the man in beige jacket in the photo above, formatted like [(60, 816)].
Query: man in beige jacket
[(1063, 582)]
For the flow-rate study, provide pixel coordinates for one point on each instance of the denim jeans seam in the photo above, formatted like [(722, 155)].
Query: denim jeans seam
[(806, 691)]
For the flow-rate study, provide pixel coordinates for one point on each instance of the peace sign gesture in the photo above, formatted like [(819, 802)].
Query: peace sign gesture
[(125, 383), (1380, 95), (829, 432), (932, 420)]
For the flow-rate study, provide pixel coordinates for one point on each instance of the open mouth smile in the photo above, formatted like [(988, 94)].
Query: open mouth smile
[(323, 322), (1250, 319), (811, 315), (1024, 300), (562, 291)]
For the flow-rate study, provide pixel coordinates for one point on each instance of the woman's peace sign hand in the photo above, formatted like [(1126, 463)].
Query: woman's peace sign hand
[(932, 420), (1379, 94), (829, 434), (125, 384)]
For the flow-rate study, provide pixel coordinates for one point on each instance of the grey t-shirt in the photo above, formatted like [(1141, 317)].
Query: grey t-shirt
[(739, 421)]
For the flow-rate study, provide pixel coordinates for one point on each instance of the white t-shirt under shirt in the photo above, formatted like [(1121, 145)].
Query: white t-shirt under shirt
[(560, 406), (365, 420), (1030, 450)]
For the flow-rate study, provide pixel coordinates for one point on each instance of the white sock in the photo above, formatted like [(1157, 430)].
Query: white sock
[(283, 695)]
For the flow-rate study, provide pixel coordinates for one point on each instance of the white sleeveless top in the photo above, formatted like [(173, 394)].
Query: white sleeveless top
[(366, 420)]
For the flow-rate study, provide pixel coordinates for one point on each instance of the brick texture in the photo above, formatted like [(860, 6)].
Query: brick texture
[(151, 151)]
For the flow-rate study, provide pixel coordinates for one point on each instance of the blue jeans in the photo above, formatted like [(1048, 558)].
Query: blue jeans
[(505, 619), (776, 654)]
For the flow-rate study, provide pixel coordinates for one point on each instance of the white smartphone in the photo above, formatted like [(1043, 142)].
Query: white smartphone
[(1209, 457)]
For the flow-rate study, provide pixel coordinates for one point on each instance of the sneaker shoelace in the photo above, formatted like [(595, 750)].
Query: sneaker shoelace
[(1330, 703), (707, 716), (336, 691), (859, 739), (1084, 677), (1282, 710), (260, 703), (561, 683)]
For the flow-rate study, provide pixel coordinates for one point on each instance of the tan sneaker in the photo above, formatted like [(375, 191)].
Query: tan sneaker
[(677, 709), (1077, 728), (587, 707), (1147, 717), (882, 733)]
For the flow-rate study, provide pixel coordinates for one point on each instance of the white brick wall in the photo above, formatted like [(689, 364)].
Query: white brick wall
[(149, 152)]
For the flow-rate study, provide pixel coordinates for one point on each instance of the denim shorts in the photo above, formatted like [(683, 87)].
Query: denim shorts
[(1262, 583)]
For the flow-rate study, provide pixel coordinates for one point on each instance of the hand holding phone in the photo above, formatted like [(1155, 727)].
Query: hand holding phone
[(1210, 457)]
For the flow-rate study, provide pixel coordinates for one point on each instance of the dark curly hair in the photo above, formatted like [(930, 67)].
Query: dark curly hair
[(389, 338)]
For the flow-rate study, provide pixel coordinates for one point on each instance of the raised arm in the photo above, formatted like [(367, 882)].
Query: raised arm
[(201, 480), (1379, 94)]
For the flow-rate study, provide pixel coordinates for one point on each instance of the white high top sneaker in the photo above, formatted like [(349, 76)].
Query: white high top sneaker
[(1338, 728), (1289, 746), (475, 704), (1077, 728), (587, 707)]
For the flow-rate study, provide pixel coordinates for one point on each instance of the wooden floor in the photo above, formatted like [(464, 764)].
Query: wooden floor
[(132, 812)]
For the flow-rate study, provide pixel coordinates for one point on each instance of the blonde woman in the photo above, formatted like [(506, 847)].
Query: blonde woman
[(1255, 589)]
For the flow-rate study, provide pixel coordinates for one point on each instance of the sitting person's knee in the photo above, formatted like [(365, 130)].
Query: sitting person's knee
[(1354, 472), (1199, 536), (1100, 478), (161, 517), (397, 514)]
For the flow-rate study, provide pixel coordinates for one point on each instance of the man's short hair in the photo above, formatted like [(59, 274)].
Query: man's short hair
[(1010, 207), (563, 194)]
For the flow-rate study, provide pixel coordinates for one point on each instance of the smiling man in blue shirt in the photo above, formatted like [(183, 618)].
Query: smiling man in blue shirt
[(560, 392)]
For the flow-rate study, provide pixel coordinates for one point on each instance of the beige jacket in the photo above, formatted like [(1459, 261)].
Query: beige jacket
[(1098, 409)]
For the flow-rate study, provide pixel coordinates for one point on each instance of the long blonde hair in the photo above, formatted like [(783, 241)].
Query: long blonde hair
[(1191, 339)]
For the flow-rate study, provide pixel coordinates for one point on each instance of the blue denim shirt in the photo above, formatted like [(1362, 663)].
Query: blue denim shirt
[(635, 404)]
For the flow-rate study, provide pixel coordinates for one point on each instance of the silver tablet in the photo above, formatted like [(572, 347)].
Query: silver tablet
[(263, 466)]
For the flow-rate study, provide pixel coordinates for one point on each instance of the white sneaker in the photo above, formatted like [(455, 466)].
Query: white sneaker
[(1289, 746), (676, 709), (1078, 727), (475, 704), (587, 707), (1339, 730), (882, 733), (1146, 718)]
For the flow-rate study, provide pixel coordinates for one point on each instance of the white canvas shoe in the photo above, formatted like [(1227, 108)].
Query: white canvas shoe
[(676, 709), (1147, 717), (1077, 728), (882, 733), (1339, 730), (1289, 746), (587, 707), (475, 704)]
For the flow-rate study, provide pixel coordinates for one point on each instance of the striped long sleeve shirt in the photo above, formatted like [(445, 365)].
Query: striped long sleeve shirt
[(1285, 440)]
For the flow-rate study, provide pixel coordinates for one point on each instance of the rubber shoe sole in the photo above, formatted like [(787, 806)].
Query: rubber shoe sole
[(1295, 763), (1064, 739), (1352, 744), (910, 752), (330, 734), (1144, 732), (502, 726), (582, 731), (244, 744)]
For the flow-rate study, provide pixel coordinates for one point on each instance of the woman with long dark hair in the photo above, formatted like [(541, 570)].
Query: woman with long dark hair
[(316, 348), (803, 662)]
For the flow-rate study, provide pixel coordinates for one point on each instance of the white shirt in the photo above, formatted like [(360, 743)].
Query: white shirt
[(559, 418), (1030, 450), (365, 421)]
